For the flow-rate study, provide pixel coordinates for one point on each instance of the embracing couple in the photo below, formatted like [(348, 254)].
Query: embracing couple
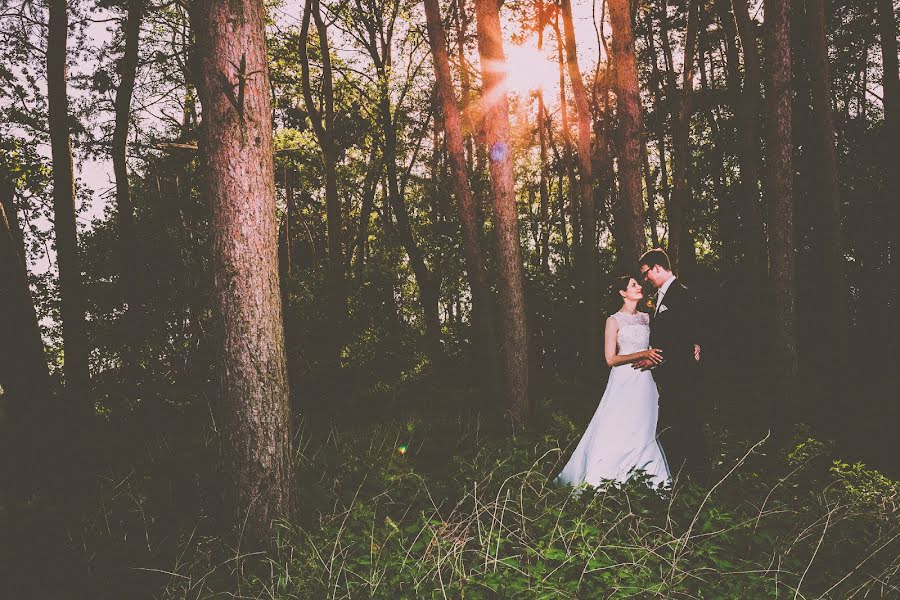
[(647, 418)]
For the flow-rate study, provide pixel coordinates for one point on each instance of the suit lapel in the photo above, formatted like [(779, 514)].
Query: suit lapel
[(670, 294)]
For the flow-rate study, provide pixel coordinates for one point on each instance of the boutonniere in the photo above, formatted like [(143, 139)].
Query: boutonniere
[(650, 304), (662, 308)]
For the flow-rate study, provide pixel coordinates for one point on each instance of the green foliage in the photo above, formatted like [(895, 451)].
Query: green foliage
[(434, 509)]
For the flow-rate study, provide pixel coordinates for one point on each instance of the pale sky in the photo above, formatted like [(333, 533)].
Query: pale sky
[(525, 69)]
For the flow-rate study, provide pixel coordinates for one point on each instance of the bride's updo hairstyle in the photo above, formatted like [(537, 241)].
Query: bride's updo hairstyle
[(620, 285)]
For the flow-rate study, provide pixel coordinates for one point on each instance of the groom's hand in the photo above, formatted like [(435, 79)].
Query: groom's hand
[(642, 363)]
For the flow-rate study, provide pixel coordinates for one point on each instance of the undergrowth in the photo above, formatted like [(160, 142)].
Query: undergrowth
[(434, 510)]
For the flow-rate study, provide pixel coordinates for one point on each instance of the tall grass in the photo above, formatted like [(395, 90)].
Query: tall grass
[(419, 509)]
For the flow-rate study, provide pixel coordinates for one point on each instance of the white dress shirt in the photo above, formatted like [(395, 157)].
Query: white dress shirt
[(662, 292)]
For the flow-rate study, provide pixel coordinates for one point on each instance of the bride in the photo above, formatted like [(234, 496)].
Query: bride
[(621, 437)]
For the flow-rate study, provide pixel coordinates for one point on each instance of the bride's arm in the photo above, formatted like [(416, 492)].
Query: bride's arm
[(609, 348)]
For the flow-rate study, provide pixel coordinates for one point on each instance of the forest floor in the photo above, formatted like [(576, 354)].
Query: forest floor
[(413, 507)]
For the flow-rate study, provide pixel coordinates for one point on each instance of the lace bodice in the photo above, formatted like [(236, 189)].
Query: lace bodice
[(634, 332)]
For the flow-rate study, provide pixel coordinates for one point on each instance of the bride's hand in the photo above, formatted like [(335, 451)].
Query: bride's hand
[(654, 355)]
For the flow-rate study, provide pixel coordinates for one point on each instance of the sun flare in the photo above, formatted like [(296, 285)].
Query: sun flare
[(528, 69)]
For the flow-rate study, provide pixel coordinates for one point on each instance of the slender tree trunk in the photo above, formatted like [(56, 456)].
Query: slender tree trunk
[(544, 186), (749, 159), (462, 28), (482, 313), (651, 197), (628, 110), (72, 310), (129, 248), (727, 215), (288, 219), (567, 141), (369, 189), (782, 247), (831, 307), (379, 47), (429, 291), (588, 268), (129, 273), (887, 27), (660, 117), (249, 334), (680, 242), (323, 127), (513, 327), (542, 120)]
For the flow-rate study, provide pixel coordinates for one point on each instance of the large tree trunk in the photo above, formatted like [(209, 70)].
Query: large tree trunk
[(681, 248), (887, 27), (23, 366), (249, 333), (75, 344), (482, 313), (830, 308), (749, 158), (628, 110), (588, 255), (782, 247), (513, 326)]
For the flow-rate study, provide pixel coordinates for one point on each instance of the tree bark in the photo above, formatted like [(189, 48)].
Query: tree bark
[(513, 327), (779, 159), (831, 307), (249, 334), (588, 255), (628, 110), (482, 312), (72, 312)]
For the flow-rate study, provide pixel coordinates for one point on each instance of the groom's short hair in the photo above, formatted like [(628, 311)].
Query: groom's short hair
[(656, 256)]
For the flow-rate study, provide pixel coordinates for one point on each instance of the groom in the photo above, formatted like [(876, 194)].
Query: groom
[(674, 328)]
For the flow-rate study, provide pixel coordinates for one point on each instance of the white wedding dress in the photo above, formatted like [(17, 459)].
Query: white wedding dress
[(621, 437)]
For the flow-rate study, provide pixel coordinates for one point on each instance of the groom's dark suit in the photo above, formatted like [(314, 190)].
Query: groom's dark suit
[(674, 329)]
